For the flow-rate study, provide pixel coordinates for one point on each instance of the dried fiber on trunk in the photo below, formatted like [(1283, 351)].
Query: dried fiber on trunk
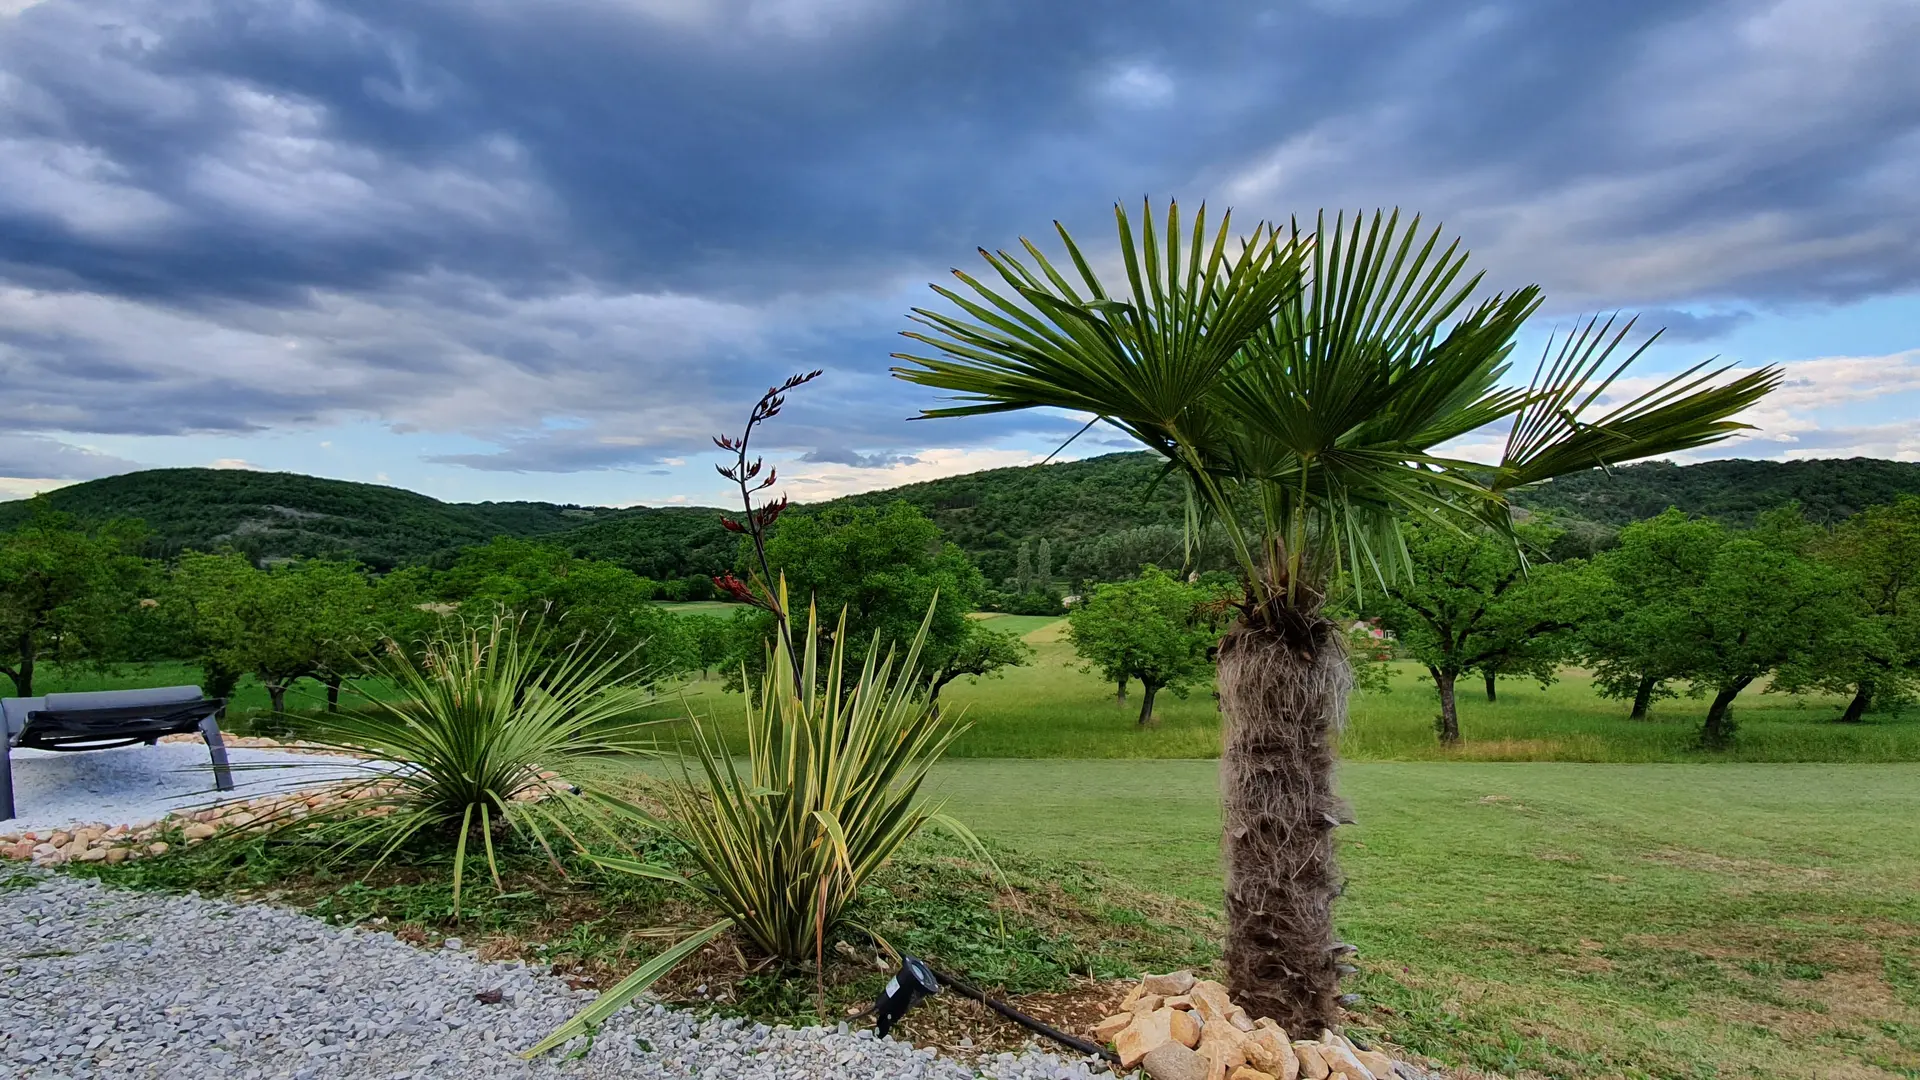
[(1284, 697)]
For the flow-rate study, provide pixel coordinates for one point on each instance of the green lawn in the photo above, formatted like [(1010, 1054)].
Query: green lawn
[(1052, 709), (704, 607), (1573, 920)]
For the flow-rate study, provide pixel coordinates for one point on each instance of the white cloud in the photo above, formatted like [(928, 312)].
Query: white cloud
[(233, 463), (1138, 84), (20, 487), (817, 481)]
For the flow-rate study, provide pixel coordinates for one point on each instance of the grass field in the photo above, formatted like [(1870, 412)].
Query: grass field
[(1570, 920), (1053, 709), (704, 607)]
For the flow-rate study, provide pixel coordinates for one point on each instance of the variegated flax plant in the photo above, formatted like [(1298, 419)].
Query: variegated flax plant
[(829, 791), (1306, 383)]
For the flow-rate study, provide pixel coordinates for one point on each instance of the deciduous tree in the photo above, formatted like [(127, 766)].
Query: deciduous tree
[(1470, 604), (66, 587), (1874, 660), (1151, 629)]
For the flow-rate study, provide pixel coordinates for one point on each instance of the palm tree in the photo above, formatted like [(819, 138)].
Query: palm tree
[(1304, 384)]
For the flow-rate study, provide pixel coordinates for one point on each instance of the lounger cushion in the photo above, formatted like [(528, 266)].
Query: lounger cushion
[(120, 699), (14, 710)]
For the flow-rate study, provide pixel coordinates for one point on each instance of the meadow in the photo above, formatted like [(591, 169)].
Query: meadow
[(1054, 709), (1563, 919)]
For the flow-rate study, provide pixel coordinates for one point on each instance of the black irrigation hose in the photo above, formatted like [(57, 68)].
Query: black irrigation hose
[(968, 990)]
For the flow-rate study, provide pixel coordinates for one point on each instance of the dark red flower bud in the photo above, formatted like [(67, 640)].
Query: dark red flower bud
[(732, 526)]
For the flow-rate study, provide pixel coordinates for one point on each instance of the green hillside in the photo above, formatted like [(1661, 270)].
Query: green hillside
[(1733, 490), (277, 515), (989, 514)]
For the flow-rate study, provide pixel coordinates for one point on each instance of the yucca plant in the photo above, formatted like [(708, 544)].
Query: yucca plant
[(1306, 383), (828, 792), (486, 722)]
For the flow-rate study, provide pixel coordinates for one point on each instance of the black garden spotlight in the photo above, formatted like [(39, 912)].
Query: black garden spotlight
[(912, 982)]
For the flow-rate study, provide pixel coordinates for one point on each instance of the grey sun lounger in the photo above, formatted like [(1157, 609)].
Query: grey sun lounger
[(105, 719)]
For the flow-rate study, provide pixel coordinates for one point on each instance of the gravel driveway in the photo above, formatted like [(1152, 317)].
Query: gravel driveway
[(99, 982)]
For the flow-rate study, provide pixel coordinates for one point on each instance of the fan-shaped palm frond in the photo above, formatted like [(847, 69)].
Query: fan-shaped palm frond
[(1307, 388)]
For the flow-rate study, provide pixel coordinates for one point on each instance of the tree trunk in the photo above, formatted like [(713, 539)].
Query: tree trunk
[(1283, 697), (1448, 725), (277, 696), (23, 676), (1120, 698), (333, 693), (1490, 691), (1147, 691), (1862, 701), (1642, 697), (1717, 732)]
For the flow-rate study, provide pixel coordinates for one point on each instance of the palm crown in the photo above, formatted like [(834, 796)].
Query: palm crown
[(1303, 382)]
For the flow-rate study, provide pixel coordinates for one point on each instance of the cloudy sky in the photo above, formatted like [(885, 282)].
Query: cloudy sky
[(508, 249)]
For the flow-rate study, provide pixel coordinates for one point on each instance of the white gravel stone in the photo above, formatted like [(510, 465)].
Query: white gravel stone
[(107, 983), (134, 785)]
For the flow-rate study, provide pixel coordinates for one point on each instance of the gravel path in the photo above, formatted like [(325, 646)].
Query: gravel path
[(100, 982), (133, 785)]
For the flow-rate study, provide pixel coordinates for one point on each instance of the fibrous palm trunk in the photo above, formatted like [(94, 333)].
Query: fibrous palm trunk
[(1283, 694)]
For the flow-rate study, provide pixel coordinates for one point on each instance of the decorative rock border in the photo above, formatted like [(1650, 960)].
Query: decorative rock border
[(1177, 1027)]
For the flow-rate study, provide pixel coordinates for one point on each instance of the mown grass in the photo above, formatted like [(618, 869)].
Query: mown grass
[(1563, 919), (1053, 709)]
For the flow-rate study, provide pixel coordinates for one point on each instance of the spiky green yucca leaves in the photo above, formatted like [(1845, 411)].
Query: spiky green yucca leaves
[(1305, 386), (829, 790), (479, 722)]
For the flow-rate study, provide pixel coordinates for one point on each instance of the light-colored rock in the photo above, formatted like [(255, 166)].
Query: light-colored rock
[(199, 830), (1171, 1061), (1268, 1049), (1248, 1072), (1184, 1028), (1210, 1000), (1225, 1048), (1179, 1001), (157, 848), (1238, 1017), (1105, 1030), (1377, 1063), (1148, 1031), (1168, 985), (1147, 1003), (118, 855), (1312, 1065), (98, 854), (1340, 1058)]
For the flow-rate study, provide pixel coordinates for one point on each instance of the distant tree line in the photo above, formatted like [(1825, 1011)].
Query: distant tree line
[(1677, 601)]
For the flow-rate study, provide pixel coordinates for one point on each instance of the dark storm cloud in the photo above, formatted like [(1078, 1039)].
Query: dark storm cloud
[(478, 216), (50, 459), (1683, 326)]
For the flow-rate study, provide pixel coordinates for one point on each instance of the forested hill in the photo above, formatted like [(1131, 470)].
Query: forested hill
[(1733, 490), (989, 514), (272, 515)]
